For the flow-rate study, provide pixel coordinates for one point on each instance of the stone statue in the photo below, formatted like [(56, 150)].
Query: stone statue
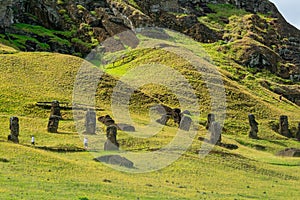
[(14, 129), (90, 122), (253, 126), (106, 120), (176, 115), (210, 119), (185, 123), (55, 109), (168, 113), (53, 123), (111, 143), (164, 119), (284, 126), (298, 132), (215, 133)]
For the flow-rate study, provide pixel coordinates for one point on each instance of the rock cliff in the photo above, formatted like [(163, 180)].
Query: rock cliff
[(76, 27)]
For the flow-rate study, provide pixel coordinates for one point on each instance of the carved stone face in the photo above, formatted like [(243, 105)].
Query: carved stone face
[(14, 120)]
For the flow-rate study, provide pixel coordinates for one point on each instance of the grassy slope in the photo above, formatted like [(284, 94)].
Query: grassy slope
[(32, 173)]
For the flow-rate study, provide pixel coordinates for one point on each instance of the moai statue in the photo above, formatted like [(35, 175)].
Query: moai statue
[(284, 126), (176, 115), (111, 143), (210, 119), (53, 123), (253, 126), (55, 109), (14, 129), (185, 123), (298, 132), (106, 120), (164, 119), (90, 122), (215, 133)]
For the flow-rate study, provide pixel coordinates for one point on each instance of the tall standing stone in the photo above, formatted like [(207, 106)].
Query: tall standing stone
[(298, 132), (53, 123), (55, 108), (90, 122), (284, 126), (210, 119), (14, 129), (185, 123), (176, 115), (215, 133), (253, 126), (111, 143)]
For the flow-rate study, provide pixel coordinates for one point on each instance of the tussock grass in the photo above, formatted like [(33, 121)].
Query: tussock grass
[(244, 173)]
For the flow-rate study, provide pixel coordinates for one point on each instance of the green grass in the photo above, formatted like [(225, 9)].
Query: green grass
[(221, 14), (7, 49), (37, 173), (43, 32)]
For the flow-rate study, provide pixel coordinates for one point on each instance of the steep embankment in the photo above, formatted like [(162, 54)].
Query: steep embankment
[(29, 172)]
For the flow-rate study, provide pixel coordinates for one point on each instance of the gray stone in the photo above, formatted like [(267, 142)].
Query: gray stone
[(14, 129), (111, 143), (53, 123), (210, 119), (253, 126), (55, 108), (185, 123), (126, 127), (284, 126), (298, 132), (6, 13), (115, 160), (164, 119), (106, 120), (215, 133), (90, 122)]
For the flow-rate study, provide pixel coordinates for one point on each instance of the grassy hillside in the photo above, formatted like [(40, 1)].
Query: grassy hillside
[(38, 173)]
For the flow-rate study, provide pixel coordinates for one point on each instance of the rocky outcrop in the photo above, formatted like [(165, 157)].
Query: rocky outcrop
[(6, 13)]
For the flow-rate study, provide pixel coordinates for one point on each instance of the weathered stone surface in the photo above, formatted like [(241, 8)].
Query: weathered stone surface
[(90, 122), (53, 123), (215, 131), (186, 112), (253, 126), (185, 123), (168, 113), (210, 119), (284, 126), (298, 132), (14, 129), (55, 109), (115, 160), (164, 119), (289, 152), (125, 127), (106, 120), (6, 13), (111, 143)]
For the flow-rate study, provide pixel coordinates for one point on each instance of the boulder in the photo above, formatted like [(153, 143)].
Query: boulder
[(289, 152), (115, 160), (125, 127)]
